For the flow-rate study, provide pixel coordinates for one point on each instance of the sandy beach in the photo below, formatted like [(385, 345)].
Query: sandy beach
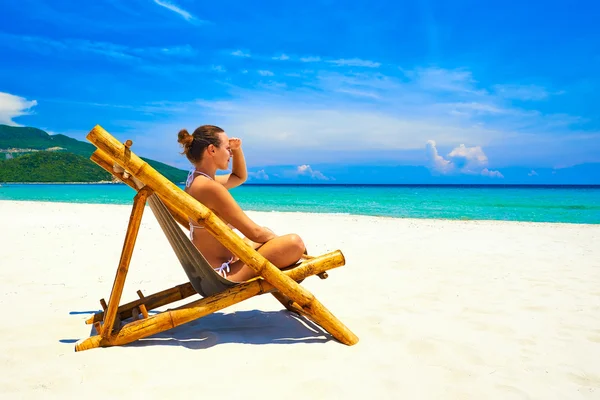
[(443, 310)]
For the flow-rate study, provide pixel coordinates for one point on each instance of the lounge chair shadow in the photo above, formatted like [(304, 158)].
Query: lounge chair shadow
[(84, 312), (248, 327), (91, 312)]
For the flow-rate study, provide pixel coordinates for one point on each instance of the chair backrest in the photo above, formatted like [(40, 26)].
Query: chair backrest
[(205, 280)]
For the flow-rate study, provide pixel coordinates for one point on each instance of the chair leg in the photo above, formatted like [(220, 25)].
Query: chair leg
[(133, 228)]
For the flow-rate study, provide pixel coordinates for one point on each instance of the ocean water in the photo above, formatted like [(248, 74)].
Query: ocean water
[(565, 204)]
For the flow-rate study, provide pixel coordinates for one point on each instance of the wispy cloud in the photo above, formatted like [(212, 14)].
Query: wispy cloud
[(380, 107), (522, 92), (12, 106), (359, 93), (240, 53), (310, 59), (259, 175), (357, 112), (474, 107), (72, 48), (341, 62), (170, 6), (445, 80), (355, 62)]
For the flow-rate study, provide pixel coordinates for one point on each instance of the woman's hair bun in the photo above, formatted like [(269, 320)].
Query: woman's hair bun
[(185, 138)]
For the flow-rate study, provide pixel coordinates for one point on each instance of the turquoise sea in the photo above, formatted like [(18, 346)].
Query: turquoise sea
[(567, 204)]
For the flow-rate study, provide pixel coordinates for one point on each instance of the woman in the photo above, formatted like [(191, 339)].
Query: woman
[(209, 149)]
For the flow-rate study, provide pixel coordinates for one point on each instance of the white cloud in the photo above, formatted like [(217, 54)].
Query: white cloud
[(259, 175), (306, 170), (468, 159), (491, 174), (462, 159), (281, 57), (436, 161), (170, 6), (240, 53), (12, 106), (532, 173), (265, 72)]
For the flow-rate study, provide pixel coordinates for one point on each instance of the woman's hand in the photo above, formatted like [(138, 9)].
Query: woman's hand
[(235, 143), (265, 235)]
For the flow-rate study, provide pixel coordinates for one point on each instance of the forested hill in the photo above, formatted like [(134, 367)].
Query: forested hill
[(32, 155)]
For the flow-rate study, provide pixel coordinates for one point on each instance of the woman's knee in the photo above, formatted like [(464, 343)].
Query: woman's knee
[(296, 243)]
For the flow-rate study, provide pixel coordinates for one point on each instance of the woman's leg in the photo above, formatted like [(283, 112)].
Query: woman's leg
[(282, 252), (252, 244)]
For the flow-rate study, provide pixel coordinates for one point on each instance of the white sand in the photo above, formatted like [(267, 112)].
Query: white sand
[(443, 309)]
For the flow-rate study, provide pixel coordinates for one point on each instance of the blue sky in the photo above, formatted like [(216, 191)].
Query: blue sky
[(329, 91)]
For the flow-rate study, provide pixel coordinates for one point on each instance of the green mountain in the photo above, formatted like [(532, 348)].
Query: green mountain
[(51, 166), (32, 155)]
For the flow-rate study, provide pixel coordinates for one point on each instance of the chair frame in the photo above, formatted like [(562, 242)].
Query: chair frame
[(282, 284)]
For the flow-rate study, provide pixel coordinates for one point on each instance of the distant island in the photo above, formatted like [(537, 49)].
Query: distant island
[(31, 155)]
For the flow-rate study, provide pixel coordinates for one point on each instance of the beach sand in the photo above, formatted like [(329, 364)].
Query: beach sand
[(443, 309)]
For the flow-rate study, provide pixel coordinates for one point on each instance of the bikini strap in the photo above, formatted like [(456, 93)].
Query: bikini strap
[(190, 177)]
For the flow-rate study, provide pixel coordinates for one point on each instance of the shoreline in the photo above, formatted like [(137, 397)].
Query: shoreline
[(325, 214)]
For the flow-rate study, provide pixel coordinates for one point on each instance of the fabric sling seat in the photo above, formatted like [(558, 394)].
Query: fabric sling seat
[(202, 276)]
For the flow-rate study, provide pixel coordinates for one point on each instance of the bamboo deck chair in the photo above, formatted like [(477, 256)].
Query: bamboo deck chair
[(122, 324)]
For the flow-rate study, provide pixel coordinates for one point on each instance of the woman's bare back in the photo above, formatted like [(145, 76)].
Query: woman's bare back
[(214, 252)]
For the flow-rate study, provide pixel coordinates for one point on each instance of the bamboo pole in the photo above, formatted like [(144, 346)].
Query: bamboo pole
[(171, 318), (104, 161), (177, 199), (142, 307), (151, 302), (135, 220), (314, 266)]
